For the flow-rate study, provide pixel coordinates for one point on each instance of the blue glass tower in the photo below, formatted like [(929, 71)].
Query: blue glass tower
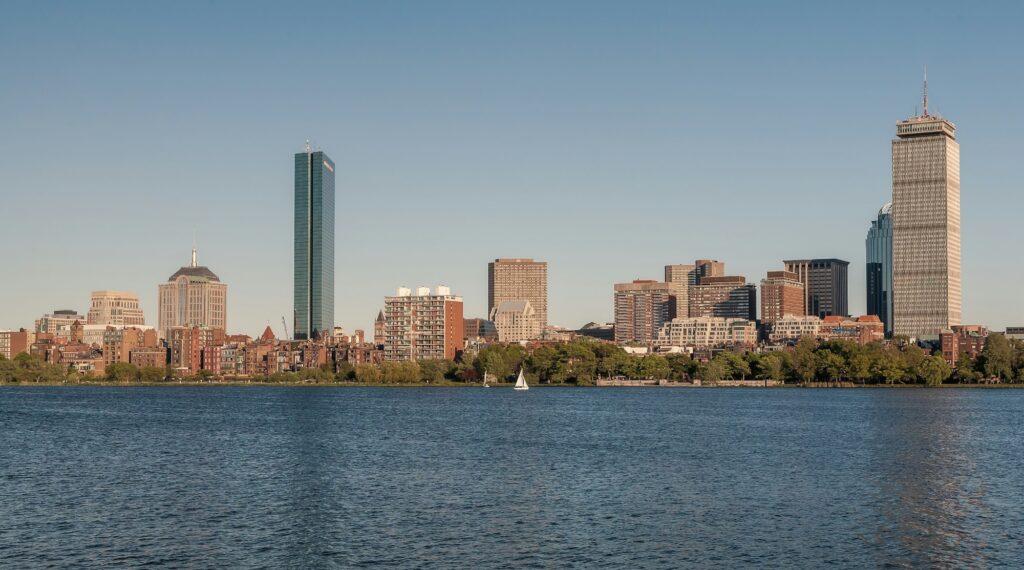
[(879, 267), (314, 244)]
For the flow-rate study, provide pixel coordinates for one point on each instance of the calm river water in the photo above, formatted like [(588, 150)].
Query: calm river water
[(472, 478)]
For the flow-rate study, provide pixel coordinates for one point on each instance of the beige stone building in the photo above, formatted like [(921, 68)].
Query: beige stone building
[(519, 279), (683, 276), (515, 321), (118, 308), (925, 226), (52, 323), (193, 297)]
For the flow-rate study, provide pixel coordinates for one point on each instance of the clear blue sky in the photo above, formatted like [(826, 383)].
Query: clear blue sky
[(607, 138)]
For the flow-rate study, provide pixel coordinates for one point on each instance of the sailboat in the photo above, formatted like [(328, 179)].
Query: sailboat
[(486, 376), (521, 382)]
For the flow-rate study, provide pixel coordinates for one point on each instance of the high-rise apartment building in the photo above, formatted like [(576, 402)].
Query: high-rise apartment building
[(782, 294), (878, 246), (926, 290), (641, 308), (514, 279), (192, 297), (116, 308), (423, 326), (724, 296), (314, 244), (826, 285)]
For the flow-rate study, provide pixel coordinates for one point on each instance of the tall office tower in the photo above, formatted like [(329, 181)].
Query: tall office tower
[(116, 308), (826, 285), (641, 307), (782, 294), (684, 276), (192, 297), (724, 296), (314, 244), (879, 267), (519, 280), (423, 326), (925, 226)]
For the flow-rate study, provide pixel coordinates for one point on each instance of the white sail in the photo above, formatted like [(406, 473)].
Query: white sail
[(521, 382)]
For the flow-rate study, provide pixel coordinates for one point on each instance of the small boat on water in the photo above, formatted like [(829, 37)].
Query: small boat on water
[(487, 376), (521, 382)]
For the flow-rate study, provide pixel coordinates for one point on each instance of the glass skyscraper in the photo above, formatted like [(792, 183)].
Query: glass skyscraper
[(314, 244), (879, 267)]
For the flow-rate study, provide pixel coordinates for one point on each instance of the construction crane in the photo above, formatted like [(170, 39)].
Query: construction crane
[(284, 323)]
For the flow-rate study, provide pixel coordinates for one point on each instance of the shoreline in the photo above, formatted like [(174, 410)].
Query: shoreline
[(236, 383)]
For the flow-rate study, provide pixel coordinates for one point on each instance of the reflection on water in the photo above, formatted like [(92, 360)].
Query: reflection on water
[(617, 478)]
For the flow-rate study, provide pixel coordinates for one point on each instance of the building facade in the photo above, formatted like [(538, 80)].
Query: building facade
[(117, 308), (13, 343), (423, 326), (53, 322), (192, 297), (519, 279), (314, 245), (782, 294), (826, 285), (515, 321), (791, 327), (724, 296), (878, 246), (704, 332), (641, 308), (926, 289)]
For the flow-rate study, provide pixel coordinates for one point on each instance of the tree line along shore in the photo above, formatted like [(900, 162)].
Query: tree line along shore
[(581, 363)]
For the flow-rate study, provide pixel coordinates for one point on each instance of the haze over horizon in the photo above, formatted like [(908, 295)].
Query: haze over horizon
[(606, 139)]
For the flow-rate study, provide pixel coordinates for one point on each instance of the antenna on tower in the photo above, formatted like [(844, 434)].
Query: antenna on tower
[(926, 90), (309, 149), (194, 260)]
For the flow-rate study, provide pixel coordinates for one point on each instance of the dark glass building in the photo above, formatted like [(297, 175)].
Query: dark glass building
[(879, 267), (314, 244)]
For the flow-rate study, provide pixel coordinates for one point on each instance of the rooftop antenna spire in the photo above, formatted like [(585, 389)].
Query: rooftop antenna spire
[(926, 90), (194, 256), (309, 149)]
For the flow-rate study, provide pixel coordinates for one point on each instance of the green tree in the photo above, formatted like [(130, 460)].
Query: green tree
[(997, 357), (682, 365), (542, 363), (805, 363), (933, 370), (768, 366), (965, 371), (344, 371), (368, 374), (654, 367), (712, 372), (151, 374), (122, 372), (830, 365), (434, 371)]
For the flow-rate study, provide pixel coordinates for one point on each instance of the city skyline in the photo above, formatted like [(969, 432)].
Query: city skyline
[(663, 143)]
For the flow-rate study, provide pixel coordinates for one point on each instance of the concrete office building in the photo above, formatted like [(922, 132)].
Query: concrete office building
[(519, 279), (52, 323), (683, 276), (926, 288), (826, 285)]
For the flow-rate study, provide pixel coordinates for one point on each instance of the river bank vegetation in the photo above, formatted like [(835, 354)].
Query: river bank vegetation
[(582, 362)]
